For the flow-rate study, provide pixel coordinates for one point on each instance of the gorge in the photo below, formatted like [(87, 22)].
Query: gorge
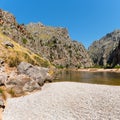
[(31, 54)]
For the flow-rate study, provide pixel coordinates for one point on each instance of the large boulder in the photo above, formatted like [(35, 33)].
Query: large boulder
[(39, 74), (20, 84)]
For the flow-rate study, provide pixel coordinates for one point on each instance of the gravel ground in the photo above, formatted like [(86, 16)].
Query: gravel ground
[(67, 101)]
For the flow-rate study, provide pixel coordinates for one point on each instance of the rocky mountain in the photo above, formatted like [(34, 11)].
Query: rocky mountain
[(106, 51), (53, 43), (12, 53), (57, 46)]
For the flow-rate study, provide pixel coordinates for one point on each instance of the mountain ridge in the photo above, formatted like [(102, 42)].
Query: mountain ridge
[(101, 51), (53, 43)]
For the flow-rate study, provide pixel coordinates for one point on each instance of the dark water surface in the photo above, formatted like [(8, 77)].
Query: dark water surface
[(108, 78)]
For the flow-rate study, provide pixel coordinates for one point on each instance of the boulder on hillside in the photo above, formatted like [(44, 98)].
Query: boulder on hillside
[(39, 74), (8, 44)]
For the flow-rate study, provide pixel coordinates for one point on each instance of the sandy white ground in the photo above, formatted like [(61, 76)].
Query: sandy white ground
[(67, 101), (117, 70)]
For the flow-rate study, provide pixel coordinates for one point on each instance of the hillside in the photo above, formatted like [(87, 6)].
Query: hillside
[(56, 45), (12, 53), (106, 51), (20, 80), (53, 43)]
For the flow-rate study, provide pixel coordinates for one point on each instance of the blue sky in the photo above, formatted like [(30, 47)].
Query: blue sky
[(86, 20)]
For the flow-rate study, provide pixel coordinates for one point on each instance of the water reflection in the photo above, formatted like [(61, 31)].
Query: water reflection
[(109, 78)]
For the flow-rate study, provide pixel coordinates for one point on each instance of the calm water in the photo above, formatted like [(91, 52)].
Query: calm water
[(109, 78)]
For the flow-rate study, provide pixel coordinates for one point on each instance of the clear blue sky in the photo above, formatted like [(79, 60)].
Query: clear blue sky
[(86, 20)]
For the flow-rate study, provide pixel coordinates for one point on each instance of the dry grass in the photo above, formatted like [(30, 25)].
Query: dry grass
[(13, 56), (3, 93)]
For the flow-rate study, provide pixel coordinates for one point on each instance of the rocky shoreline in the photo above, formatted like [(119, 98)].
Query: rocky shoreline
[(117, 70), (27, 82), (20, 81)]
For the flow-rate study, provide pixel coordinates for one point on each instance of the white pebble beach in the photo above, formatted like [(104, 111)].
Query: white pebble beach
[(66, 101)]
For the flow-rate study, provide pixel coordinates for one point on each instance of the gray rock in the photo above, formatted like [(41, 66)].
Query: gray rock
[(2, 69), (23, 67), (105, 52), (20, 84), (58, 47), (8, 44), (3, 78), (39, 74), (18, 80), (31, 86)]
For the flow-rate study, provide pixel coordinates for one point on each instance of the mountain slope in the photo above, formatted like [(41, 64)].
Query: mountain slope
[(53, 43), (102, 51), (56, 45), (12, 53)]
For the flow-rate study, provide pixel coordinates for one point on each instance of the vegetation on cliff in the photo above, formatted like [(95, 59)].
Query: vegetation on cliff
[(52, 43), (106, 51), (12, 53)]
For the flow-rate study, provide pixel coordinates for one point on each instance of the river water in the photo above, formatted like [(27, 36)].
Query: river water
[(107, 78)]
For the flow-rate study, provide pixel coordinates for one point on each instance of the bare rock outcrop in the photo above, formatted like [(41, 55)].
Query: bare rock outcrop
[(39, 74), (105, 51), (26, 78), (57, 46)]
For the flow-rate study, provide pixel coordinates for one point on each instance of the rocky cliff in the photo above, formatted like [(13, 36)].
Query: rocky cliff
[(53, 43), (106, 51), (56, 45)]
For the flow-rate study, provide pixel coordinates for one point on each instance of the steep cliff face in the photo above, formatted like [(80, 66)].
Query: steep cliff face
[(11, 52), (114, 58), (53, 43), (105, 51), (56, 45)]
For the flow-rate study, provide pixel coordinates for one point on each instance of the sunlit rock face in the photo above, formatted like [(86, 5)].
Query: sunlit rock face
[(106, 50), (57, 46)]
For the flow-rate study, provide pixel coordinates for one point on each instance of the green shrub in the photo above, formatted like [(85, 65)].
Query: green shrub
[(1, 91), (43, 63), (97, 66), (117, 66), (59, 66), (24, 40)]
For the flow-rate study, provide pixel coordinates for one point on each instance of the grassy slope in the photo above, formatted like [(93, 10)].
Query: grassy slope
[(13, 56)]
